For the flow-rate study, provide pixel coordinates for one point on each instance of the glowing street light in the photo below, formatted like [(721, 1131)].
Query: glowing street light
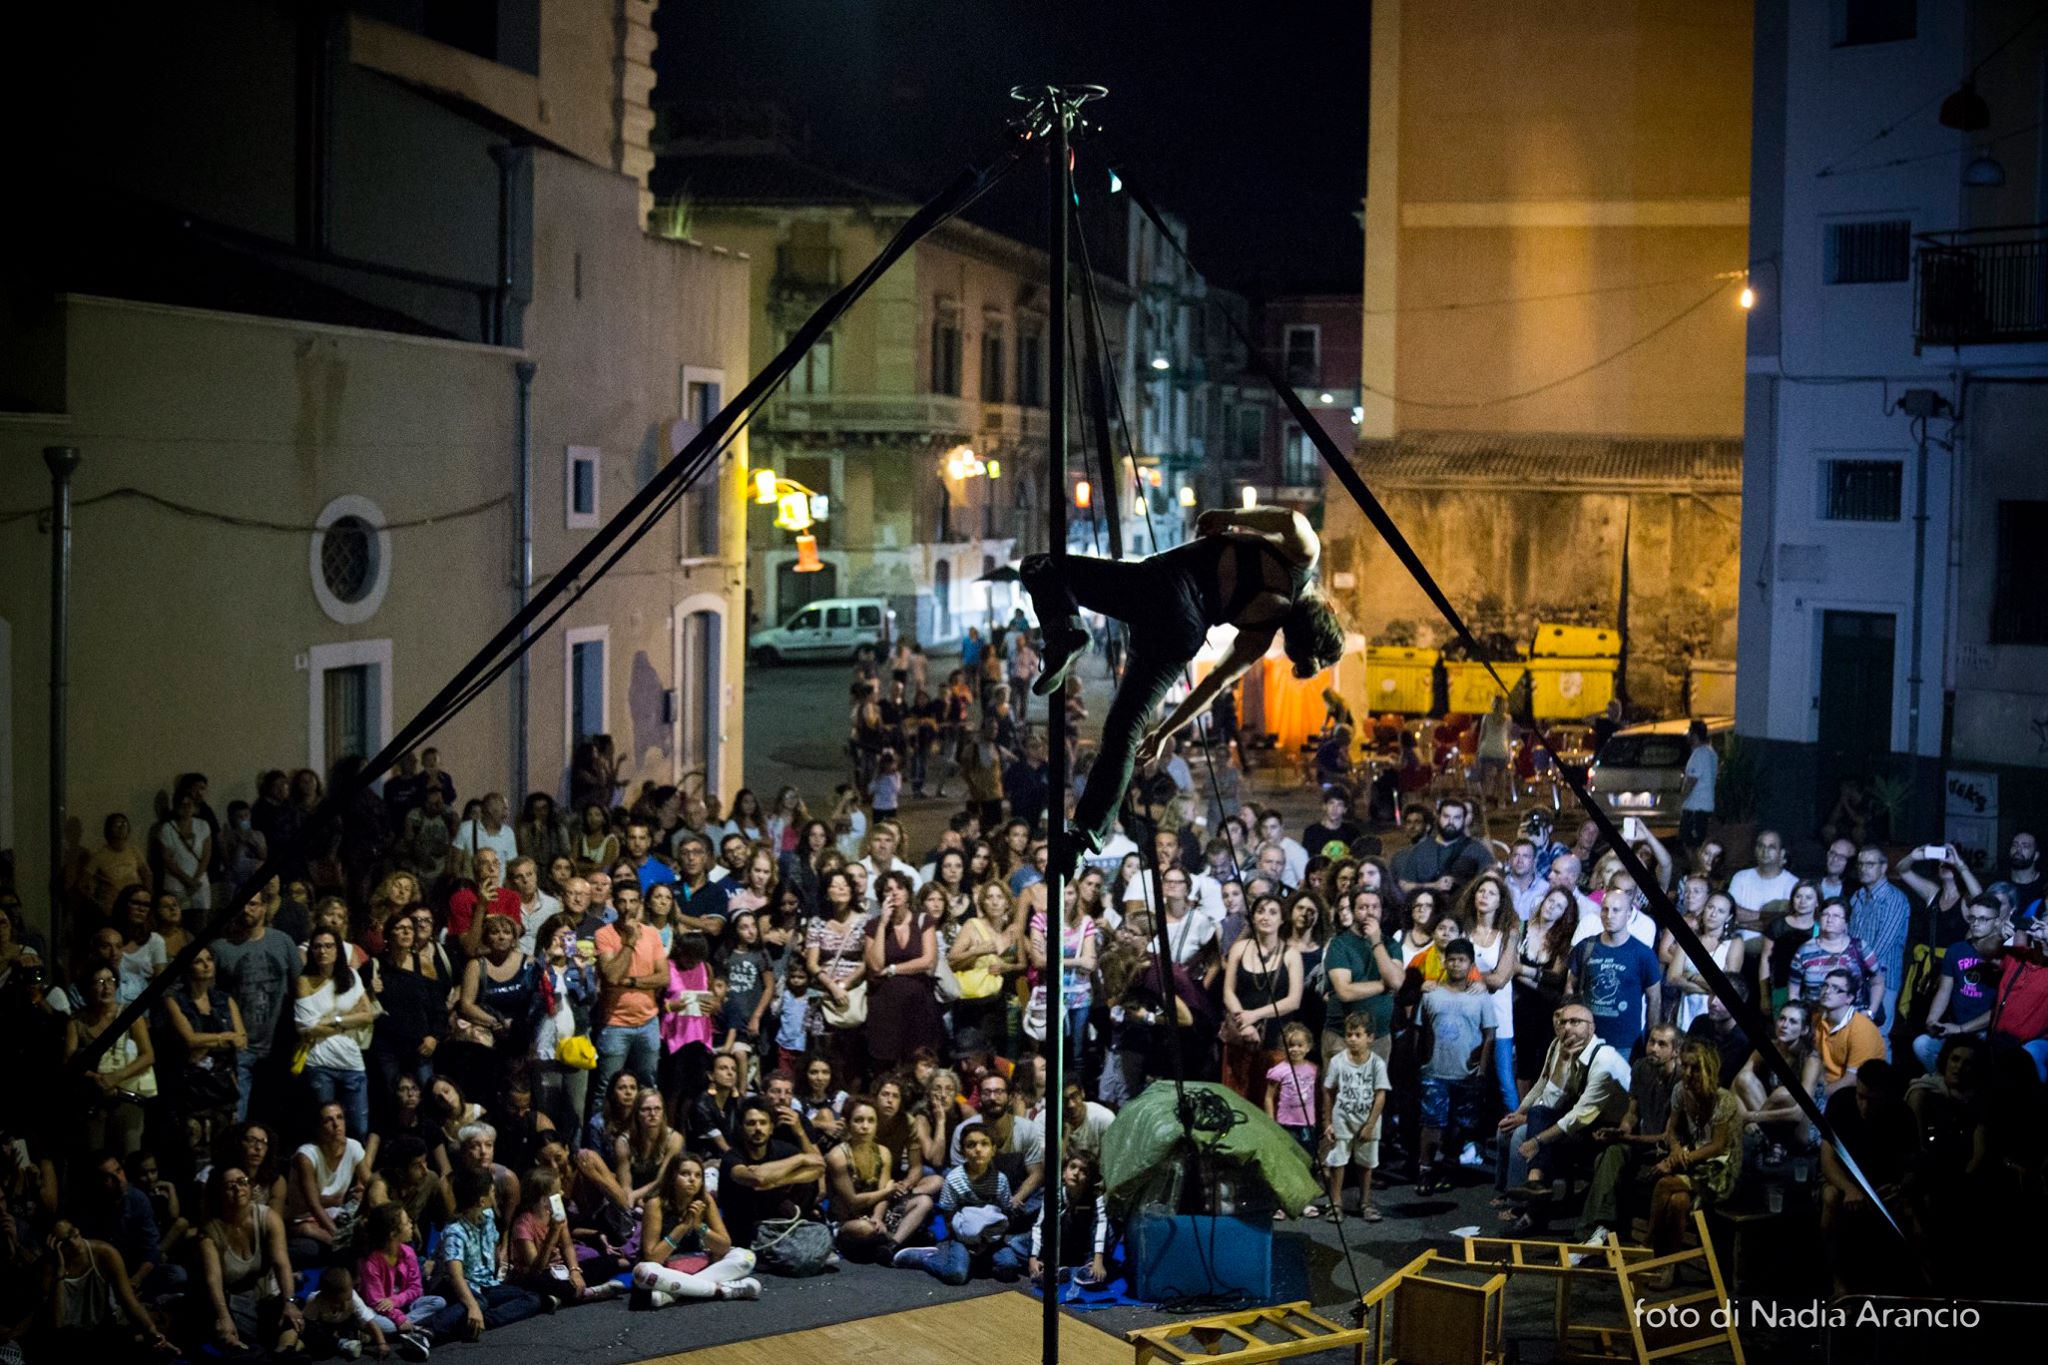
[(963, 463), (1251, 497), (1187, 495), (1747, 298), (1084, 496)]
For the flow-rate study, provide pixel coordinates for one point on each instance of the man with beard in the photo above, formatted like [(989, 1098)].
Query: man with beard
[(764, 1176), (1020, 1142), (1624, 1147), (1447, 861), (2023, 872), (1584, 1088), (257, 966)]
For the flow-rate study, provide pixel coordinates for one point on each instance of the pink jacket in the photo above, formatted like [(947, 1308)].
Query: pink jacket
[(378, 1279)]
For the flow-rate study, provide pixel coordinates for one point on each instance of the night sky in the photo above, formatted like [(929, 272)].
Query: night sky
[(1247, 119)]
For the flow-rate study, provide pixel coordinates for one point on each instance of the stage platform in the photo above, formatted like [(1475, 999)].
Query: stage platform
[(994, 1329)]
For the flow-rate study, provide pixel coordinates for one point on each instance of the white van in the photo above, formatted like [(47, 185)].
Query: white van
[(830, 628)]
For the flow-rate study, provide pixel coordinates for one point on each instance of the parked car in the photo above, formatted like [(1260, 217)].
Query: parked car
[(830, 628), (1640, 771)]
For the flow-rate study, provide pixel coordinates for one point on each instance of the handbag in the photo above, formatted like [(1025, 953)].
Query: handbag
[(211, 1085), (854, 1012), (945, 981), (1034, 1014), (851, 1015), (792, 1247), (576, 1051), (121, 1054), (978, 982)]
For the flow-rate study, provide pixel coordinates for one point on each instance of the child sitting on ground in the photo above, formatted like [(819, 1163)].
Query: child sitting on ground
[(473, 1262), (689, 1255), (978, 1205), (543, 1256), (338, 1321), (1356, 1081), (1084, 1224), (389, 1274)]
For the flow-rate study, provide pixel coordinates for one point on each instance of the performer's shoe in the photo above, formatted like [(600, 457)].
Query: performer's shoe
[(1063, 649), (1074, 848)]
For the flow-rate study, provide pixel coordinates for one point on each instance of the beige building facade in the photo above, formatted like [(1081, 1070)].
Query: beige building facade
[(946, 353), (1556, 233), (290, 533)]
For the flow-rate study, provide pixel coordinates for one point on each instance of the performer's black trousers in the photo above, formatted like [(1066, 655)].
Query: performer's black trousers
[(1163, 608)]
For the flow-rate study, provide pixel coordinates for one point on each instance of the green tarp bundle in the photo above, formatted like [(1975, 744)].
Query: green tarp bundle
[(1147, 1135)]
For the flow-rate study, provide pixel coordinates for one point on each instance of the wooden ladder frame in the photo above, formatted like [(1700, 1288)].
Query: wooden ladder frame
[(1616, 1264), (1309, 1331)]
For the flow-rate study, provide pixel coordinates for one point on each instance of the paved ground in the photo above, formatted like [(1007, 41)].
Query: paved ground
[(1309, 1263), (796, 720)]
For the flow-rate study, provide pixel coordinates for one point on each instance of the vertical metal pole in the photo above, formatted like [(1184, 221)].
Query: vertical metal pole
[(522, 689), (1914, 672), (63, 463), (1056, 736)]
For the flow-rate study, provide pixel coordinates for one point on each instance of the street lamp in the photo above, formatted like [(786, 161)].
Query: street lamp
[(797, 508)]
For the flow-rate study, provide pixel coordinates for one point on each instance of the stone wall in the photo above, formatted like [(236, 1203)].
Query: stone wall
[(1512, 557)]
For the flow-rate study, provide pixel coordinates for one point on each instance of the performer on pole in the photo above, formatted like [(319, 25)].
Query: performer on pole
[(1252, 568)]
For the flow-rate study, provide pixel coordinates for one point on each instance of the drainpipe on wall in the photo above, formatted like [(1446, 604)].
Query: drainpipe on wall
[(1921, 405), (63, 463), (523, 575)]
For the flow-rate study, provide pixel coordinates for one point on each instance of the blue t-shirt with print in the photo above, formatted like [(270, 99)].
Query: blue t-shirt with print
[(1613, 979)]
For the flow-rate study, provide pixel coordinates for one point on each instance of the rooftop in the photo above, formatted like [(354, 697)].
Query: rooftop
[(1440, 459)]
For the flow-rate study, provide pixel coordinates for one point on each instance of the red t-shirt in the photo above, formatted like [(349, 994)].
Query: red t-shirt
[(462, 909)]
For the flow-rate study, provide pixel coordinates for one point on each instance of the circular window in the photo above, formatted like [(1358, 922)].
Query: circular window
[(351, 556), (348, 559)]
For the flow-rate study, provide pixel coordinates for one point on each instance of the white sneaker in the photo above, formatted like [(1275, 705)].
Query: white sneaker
[(749, 1288), (1470, 1156), (660, 1298), (348, 1349), (1598, 1240)]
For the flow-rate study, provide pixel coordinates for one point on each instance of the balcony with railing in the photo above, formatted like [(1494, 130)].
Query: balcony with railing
[(911, 414), (874, 414), (1981, 287)]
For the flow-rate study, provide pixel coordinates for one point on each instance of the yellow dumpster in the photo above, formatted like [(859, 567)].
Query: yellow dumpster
[(1710, 689), (1570, 689), (1574, 642), (1398, 678), (1470, 687)]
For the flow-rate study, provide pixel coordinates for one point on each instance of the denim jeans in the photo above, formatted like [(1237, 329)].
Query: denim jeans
[(622, 1047), (1512, 1168), (501, 1304), (245, 1076), (1504, 1071), (351, 1089), (418, 1314), (954, 1262)]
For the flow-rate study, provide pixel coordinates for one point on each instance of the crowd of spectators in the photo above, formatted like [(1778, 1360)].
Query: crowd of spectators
[(455, 1067)]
